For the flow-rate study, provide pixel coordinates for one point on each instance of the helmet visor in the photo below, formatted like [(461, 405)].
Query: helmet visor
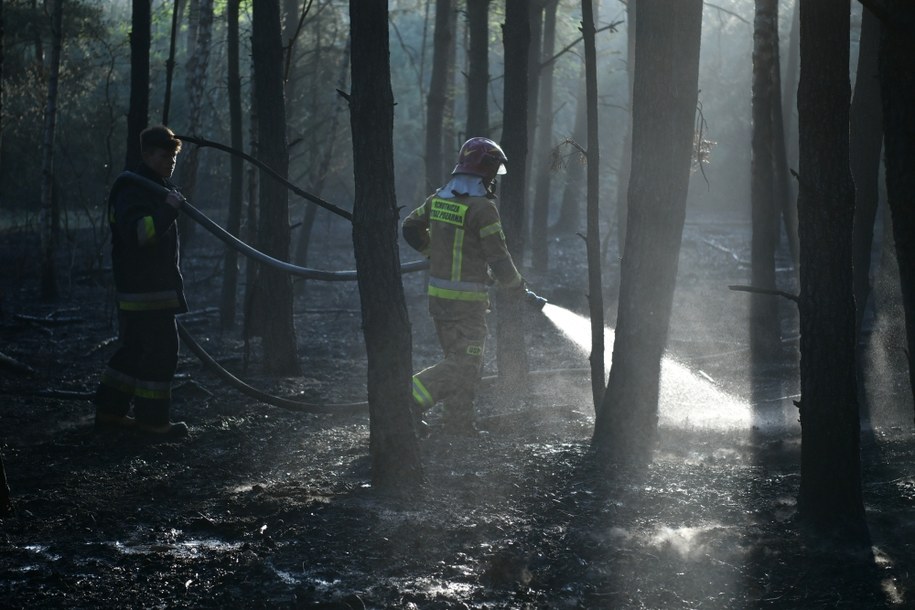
[(502, 171)]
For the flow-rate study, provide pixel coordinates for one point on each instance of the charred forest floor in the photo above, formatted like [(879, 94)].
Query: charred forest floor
[(262, 507)]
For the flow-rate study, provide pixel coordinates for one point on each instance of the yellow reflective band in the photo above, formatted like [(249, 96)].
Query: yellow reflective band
[(457, 255), (420, 394), (492, 229), (457, 295), (153, 390), (448, 211), (146, 231)]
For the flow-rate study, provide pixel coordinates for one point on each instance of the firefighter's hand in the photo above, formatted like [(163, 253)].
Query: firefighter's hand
[(174, 199)]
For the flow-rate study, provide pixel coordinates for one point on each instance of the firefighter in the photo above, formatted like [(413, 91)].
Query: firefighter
[(459, 230), (150, 291)]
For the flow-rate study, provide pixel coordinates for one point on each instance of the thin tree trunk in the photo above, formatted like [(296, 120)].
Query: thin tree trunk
[(273, 301), (138, 110), (665, 94), (534, 52), (49, 202), (789, 131), (595, 289), (195, 84), (570, 208), (386, 327), (233, 223), (170, 63), (478, 69), (511, 354), (435, 104), (765, 338), (830, 489), (622, 176), (543, 155), (866, 142), (897, 77)]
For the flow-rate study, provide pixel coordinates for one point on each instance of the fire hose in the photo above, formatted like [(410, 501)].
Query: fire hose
[(245, 249)]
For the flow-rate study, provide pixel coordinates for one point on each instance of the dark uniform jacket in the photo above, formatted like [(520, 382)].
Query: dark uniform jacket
[(463, 238), (144, 247)]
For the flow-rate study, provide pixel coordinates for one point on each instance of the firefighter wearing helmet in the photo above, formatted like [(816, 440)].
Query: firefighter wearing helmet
[(459, 230)]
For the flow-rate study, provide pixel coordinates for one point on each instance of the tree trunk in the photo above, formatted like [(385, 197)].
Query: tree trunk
[(273, 298), (595, 289), (765, 340), (138, 110), (865, 144), (789, 130), (511, 355), (478, 69), (438, 86), (535, 18), (570, 208), (385, 322), (170, 63), (665, 94), (897, 77), (49, 203), (233, 223), (195, 85), (543, 155), (622, 176), (319, 176), (830, 493)]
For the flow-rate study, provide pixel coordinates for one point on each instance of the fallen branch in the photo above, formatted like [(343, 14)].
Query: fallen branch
[(48, 320), (12, 364), (769, 291)]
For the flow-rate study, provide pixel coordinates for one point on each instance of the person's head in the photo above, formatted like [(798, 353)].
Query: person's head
[(159, 148), (481, 157)]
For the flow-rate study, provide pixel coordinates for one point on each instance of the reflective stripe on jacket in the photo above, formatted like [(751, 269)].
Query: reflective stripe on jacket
[(145, 247), (463, 238)]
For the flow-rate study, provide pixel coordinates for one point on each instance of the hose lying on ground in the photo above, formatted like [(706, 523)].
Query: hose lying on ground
[(244, 388)]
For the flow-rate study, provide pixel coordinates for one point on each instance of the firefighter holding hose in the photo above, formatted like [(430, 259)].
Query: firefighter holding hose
[(459, 230), (150, 291)]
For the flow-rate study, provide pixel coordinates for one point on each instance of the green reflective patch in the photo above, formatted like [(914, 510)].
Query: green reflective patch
[(474, 350), (448, 211)]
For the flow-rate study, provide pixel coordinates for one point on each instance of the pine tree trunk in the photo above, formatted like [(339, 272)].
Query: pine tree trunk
[(138, 110), (273, 301), (665, 94), (622, 175), (385, 322), (49, 203), (511, 354), (478, 68), (897, 77), (595, 289), (765, 340), (233, 223), (543, 153), (830, 490), (438, 86)]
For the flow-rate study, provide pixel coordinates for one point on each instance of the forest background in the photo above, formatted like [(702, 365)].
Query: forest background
[(94, 90)]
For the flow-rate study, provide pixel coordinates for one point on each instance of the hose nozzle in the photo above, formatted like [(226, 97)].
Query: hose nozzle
[(535, 301)]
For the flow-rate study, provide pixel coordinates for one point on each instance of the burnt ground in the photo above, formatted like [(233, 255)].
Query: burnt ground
[(266, 507)]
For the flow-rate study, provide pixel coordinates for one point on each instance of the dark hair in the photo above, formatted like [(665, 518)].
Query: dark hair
[(159, 136)]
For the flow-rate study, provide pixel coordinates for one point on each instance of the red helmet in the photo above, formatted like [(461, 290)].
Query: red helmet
[(481, 157)]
